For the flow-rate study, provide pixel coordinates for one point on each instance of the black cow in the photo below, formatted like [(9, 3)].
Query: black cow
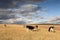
[(30, 27)]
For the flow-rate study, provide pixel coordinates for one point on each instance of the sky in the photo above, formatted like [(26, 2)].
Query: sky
[(29, 11)]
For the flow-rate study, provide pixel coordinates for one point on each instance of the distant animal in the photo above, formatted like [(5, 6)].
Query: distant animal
[(51, 29), (5, 25), (30, 27), (34, 28)]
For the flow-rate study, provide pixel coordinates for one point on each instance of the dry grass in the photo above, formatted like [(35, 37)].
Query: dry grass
[(18, 32)]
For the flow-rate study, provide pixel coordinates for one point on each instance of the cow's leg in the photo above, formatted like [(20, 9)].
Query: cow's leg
[(27, 29), (51, 30), (35, 29)]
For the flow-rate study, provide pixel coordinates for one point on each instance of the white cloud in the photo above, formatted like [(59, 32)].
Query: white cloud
[(55, 20), (17, 21)]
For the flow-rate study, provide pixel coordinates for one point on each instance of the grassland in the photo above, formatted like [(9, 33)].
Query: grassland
[(19, 32)]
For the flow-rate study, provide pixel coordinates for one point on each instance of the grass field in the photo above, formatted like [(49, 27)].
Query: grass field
[(19, 32)]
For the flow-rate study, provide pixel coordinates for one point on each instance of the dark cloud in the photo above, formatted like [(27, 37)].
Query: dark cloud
[(6, 11), (1, 22), (15, 3), (4, 17), (26, 11), (7, 14), (29, 10), (9, 9), (36, 0)]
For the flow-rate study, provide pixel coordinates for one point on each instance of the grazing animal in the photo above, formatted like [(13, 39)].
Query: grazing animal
[(4, 25), (34, 28), (30, 27), (51, 29)]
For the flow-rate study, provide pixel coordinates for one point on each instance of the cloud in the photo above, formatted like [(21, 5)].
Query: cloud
[(23, 15), (15, 3), (54, 20), (29, 10), (4, 17), (35, 0), (13, 20), (16, 21)]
